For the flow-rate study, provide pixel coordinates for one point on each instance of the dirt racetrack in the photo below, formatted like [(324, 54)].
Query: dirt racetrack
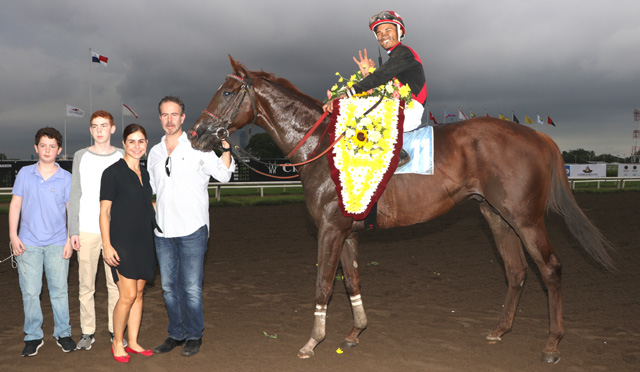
[(432, 292)]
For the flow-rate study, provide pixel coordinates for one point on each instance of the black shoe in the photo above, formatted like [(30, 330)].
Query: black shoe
[(66, 343), (403, 158), (168, 345), (192, 347), (31, 347)]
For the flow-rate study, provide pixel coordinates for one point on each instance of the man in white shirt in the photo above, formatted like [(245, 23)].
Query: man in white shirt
[(179, 176)]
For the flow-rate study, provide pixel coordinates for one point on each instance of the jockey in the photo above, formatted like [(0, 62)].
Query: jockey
[(403, 64)]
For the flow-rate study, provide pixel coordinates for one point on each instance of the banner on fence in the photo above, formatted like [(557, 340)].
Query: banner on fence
[(586, 170), (628, 170)]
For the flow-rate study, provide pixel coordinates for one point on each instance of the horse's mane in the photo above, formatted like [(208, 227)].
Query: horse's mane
[(284, 83)]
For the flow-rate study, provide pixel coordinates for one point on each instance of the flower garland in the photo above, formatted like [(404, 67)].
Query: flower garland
[(364, 157), (365, 153), (393, 89)]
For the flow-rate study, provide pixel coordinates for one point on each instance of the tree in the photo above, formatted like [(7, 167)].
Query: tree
[(578, 156), (262, 146)]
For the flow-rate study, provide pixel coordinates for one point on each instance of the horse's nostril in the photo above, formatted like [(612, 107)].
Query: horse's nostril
[(194, 134)]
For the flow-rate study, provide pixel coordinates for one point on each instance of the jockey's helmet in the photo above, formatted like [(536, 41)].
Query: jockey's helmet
[(387, 16)]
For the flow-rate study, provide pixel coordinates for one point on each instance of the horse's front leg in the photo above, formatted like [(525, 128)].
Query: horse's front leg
[(330, 241), (349, 260)]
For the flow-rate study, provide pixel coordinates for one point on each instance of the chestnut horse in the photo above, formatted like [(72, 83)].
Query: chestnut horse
[(513, 171)]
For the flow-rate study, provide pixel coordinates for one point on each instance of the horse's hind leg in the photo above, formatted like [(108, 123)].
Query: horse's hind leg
[(515, 265), (349, 261)]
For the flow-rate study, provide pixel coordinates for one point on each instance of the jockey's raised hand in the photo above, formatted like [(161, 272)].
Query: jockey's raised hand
[(364, 63)]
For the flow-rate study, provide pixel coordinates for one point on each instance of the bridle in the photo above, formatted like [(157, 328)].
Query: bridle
[(223, 133)]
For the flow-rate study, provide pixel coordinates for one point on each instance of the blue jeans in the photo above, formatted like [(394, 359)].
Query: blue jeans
[(56, 268), (181, 262)]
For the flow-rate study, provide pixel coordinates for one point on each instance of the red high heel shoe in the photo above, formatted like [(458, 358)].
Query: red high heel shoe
[(147, 352), (121, 359)]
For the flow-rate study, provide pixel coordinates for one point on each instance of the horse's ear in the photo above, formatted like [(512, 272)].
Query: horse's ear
[(238, 68)]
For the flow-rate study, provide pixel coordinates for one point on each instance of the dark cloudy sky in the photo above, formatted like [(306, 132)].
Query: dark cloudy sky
[(577, 61)]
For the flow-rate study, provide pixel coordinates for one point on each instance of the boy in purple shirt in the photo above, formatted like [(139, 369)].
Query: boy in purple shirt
[(39, 206)]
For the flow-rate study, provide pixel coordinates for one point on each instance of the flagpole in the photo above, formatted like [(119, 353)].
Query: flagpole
[(65, 132), (90, 101), (122, 116), (428, 117), (444, 115)]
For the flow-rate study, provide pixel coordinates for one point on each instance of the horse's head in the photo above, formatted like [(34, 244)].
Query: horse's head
[(231, 108)]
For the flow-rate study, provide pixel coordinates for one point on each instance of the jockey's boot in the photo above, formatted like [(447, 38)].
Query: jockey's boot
[(403, 158)]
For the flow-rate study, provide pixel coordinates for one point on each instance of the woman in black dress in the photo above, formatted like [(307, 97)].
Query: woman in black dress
[(127, 220)]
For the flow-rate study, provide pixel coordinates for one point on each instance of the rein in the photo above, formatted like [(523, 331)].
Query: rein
[(223, 133)]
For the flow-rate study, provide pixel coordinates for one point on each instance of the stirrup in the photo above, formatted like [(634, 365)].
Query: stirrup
[(403, 158)]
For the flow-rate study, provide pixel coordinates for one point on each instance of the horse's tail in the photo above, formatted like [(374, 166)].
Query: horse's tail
[(561, 201)]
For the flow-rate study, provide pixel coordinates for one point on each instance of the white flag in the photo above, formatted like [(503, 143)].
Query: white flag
[(540, 120), (127, 111), (74, 111)]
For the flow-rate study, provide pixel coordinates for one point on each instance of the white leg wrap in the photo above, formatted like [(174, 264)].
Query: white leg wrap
[(356, 300)]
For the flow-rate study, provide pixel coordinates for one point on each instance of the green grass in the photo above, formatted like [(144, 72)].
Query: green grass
[(294, 195)]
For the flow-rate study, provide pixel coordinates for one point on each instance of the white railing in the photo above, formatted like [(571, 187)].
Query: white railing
[(217, 186), (620, 181), (252, 185)]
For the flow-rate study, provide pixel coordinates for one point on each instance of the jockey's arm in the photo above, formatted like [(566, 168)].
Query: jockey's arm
[(391, 68)]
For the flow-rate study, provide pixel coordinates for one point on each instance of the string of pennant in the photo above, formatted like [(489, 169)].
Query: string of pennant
[(461, 115)]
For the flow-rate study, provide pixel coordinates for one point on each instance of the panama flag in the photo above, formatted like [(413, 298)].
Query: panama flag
[(97, 58), (74, 111), (127, 111)]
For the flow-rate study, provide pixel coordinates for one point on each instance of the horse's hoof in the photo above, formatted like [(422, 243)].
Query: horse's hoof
[(550, 357), (349, 344), (493, 339), (305, 354)]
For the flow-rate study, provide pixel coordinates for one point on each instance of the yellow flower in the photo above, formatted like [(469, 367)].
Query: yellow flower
[(360, 138), (405, 90), (371, 69)]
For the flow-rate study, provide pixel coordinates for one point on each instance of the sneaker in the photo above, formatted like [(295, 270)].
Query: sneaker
[(85, 342), (124, 340), (31, 347), (66, 343)]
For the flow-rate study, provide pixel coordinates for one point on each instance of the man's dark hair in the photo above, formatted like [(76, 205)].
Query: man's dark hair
[(173, 99), (50, 133)]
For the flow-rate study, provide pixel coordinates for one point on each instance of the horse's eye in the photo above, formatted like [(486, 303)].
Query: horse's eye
[(226, 93)]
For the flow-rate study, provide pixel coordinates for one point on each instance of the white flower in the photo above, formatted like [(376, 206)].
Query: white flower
[(375, 136)]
